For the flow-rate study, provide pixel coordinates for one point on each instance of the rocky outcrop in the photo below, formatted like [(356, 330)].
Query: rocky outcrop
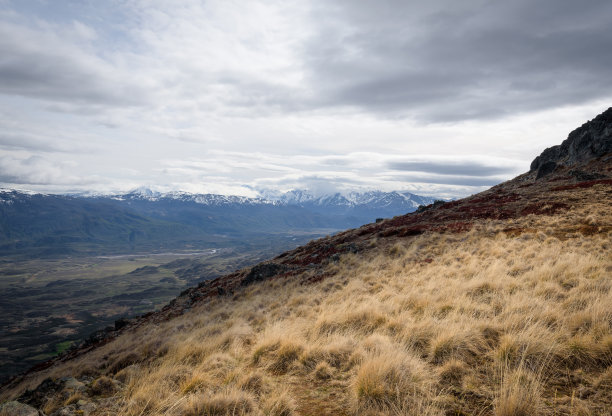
[(262, 272), (589, 141), (18, 409)]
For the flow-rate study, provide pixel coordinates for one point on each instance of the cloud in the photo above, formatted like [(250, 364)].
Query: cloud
[(453, 167), (336, 173), (38, 62), (466, 181), (27, 141), (444, 61), (439, 62), (36, 170)]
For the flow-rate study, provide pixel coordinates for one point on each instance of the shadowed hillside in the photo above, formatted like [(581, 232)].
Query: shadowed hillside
[(497, 304)]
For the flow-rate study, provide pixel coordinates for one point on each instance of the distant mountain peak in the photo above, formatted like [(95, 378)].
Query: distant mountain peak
[(305, 196)]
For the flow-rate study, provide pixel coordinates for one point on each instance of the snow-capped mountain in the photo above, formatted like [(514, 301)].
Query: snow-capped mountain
[(401, 201), (144, 219), (145, 194), (358, 204)]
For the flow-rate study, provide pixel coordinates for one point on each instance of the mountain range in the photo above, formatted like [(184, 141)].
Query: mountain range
[(146, 220)]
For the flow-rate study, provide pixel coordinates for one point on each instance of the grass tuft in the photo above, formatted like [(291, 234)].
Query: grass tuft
[(103, 386), (388, 380), (519, 395), (281, 404), (229, 402)]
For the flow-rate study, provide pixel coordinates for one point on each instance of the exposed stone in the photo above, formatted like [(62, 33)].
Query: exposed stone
[(39, 395), (120, 323), (98, 336), (87, 408), (581, 175), (546, 168), (70, 410), (589, 141), (262, 272), (73, 384), (18, 409), (436, 204)]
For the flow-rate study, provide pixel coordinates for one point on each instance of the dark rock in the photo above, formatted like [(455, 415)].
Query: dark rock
[(120, 323), (589, 141), (546, 168), (581, 175), (38, 396), (351, 248), (99, 336), (436, 204), (262, 272), (379, 220)]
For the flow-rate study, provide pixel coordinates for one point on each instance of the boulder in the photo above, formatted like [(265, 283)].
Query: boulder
[(263, 272), (87, 408), (73, 384), (38, 397), (70, 410), (18, 409)]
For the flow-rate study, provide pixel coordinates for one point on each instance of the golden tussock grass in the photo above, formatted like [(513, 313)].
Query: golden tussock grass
[(519, 394), (495, 324), (388, 380)]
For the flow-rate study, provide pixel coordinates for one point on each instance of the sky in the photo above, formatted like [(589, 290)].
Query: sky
[(441, 98)]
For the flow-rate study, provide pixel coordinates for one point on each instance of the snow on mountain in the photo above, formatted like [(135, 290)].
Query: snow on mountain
[(295, 197), (387, 202), (350, 199), (146, 194), (373, 199)]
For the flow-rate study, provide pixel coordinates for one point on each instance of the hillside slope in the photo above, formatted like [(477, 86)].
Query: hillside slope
[(497, 304)]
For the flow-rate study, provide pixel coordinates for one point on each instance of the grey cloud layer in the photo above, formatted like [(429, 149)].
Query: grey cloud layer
[(472, 168), (441, 61), (40, 64), (36, 170), (448, 61), (345, 172)]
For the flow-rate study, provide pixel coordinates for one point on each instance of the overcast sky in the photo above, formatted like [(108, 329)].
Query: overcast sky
[(439, 98)]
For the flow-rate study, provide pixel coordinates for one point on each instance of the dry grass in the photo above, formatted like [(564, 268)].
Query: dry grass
[(229, 402), (103, 386), (280, 404), (519, 395), (74, 398), (495, 324), (389, 380)]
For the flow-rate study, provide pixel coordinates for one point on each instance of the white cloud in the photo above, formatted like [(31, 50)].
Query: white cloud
[(36, 170)]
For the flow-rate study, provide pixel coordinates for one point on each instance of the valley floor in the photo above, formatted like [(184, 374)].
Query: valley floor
[(49, 305)]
